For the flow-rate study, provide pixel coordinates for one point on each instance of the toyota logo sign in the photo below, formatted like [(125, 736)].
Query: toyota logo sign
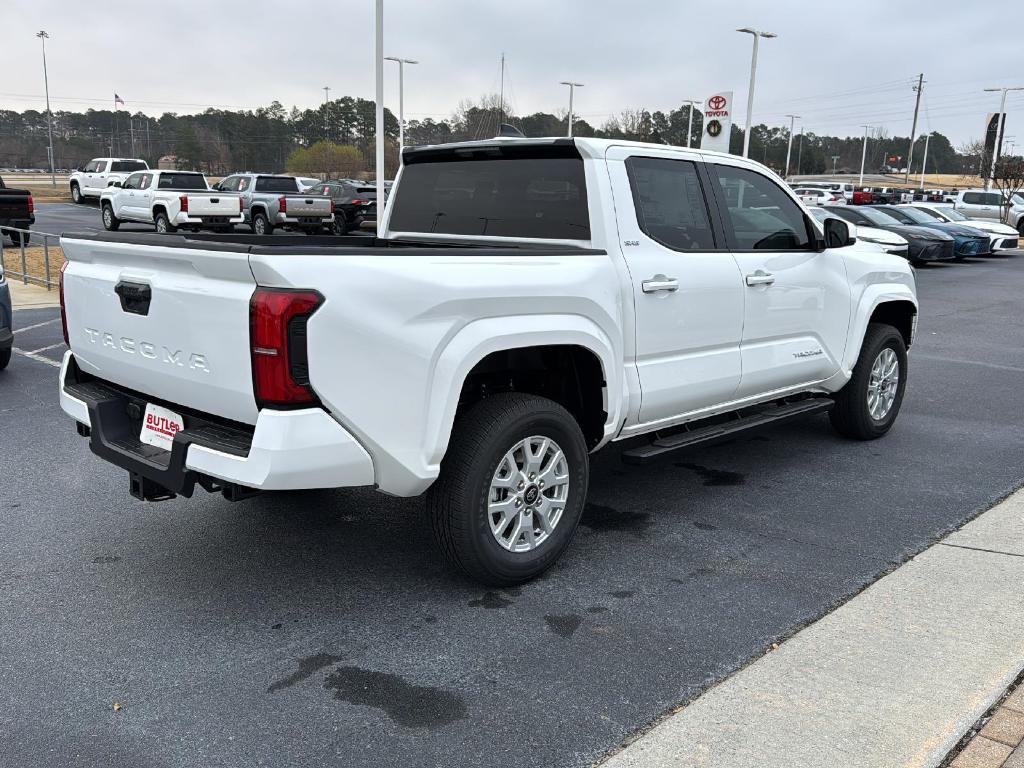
[(716, 102)]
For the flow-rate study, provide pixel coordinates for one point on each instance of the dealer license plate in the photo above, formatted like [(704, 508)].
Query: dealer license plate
[(159, 426)]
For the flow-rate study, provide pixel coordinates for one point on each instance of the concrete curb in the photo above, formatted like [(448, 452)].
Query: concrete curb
[(894, 677)]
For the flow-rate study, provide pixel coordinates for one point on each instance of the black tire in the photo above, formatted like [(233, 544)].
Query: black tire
[(457, 503), (16, 237), (76, 194), (5, 358), (261, 224), (340, 225), (1020, 226), (110, 221), (162, 223), (851, 416)]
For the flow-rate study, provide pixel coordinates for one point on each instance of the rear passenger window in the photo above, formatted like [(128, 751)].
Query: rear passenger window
[(974, 198), (993, 199), (670, 204), (759, 214)]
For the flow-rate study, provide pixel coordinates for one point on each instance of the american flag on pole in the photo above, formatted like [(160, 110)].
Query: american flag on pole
[(118, 100)]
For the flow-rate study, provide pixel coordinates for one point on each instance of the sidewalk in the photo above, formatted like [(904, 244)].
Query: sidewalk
[(32, 296), (997, 741), (894, 677)]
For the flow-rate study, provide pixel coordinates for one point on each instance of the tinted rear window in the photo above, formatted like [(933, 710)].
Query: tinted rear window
[(181, 181), (127, 166), (276, 184), (532, 192)]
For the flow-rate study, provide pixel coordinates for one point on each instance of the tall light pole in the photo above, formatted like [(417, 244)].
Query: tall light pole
[(799, 150), (757, 35), (401, 97), (789, 146), (864, 154), (41, 34), (1001, 117), (924, 160), (572, 90), (378, 61), (327, 102), (689, 122)]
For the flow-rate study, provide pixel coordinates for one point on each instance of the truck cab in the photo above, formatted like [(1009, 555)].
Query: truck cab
[(91, 179)]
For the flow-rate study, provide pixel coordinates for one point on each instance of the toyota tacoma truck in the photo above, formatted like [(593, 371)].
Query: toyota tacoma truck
[(169, 200), (271, 202), (95, 176), (526, 303)]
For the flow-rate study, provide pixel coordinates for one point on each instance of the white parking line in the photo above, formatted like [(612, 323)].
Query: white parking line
[(43, 349), (37, 325), (34, 356)]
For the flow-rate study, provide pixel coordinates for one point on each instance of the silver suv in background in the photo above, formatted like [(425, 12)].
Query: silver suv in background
[(270, 201)]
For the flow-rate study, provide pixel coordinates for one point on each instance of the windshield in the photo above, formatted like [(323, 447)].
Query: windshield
[(276, 184), (916, 216), (877, 217), (947, 214), (181, 181)]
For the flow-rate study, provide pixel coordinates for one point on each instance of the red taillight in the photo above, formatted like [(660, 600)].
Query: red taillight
[(332, 207), (241, 206), (358, 202), (63, 312), (31, 204), (277, 333), (184, 203), (282, 204)]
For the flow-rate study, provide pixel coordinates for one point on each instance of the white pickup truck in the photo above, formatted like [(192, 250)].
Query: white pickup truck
[(169, 200), (526, 303), (95, 176)]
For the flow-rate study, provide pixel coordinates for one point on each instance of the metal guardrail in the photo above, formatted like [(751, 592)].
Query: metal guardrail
[(48, 283)]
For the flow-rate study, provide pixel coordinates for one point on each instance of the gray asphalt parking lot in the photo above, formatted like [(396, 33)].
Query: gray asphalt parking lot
[(319, 627), (57, 218)]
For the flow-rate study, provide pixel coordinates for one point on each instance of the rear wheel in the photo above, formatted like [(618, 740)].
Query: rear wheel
[(869, 403), (511, 489), (76, 194), (261, 224), (5, 358), (17, 237), (110, 221), (340, 225), (163, 223)]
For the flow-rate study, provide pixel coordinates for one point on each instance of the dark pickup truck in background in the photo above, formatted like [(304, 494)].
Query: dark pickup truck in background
[(16, 210)]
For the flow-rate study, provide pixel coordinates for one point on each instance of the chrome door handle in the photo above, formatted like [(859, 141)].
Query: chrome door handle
[(760, 277), (660, 283)]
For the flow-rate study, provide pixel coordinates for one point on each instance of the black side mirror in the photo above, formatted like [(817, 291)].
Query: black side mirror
[(837, 233), (115, 184), (216, 187)]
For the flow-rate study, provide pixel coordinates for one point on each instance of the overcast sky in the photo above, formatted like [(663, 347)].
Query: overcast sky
[(837, 64)]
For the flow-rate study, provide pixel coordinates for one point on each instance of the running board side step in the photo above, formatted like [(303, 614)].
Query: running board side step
[(771, 414)]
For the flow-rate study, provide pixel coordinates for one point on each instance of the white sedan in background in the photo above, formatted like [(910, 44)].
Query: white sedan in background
[(1003, 236), (889, 242), (818, 196)]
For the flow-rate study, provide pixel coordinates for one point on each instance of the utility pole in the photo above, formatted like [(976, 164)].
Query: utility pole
[(327, 106), (799, 150), (401, 97), (131, 132), (924, 160), (378, 56), (789, 145), (149, 146), (41, 34), (572, 87), (501, 95), (1001, 117), (689, 122), (913, 129), (753, 74), (835, 158), (864, 154)]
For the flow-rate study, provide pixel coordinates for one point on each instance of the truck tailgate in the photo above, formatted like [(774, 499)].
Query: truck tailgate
[(201, 204), (169, 321), (317, 205)]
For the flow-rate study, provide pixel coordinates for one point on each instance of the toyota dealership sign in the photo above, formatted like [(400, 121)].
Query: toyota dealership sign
[(717, 122)]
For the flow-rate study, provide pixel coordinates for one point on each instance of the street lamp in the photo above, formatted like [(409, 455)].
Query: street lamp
[(41, 34), (757, 34), (401, 97), (572, 89), (1001, 126), (789, 146), (864, 154), (689, 122)]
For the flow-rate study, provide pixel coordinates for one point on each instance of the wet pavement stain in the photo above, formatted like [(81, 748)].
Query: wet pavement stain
[(430, 619), (621, 594), (705, 526), (105, 559), (491, 600), (597, 609), (714, 476), (563, 625), (598, 517), (411, 706), (307, 668)]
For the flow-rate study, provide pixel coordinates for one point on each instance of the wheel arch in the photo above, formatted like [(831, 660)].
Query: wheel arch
[(893, 304)]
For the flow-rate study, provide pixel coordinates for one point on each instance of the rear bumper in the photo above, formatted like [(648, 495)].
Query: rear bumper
[(183, 219), (286, 450), (285, 220)]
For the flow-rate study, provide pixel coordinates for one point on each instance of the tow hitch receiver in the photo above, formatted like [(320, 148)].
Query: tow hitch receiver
[(146, 490)]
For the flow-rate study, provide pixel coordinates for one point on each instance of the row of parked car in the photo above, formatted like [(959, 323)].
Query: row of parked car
[(924, 232), (129, 191)]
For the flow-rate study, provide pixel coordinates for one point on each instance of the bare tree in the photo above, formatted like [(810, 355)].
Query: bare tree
[(976, 159), (1009, 180)]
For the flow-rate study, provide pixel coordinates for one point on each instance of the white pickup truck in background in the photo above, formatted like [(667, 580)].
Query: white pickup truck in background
[(94, 177), (169, 200), (526, 303)]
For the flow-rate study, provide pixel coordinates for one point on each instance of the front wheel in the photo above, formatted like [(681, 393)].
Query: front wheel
[(511, 489), (867, 406), (76, 194), (110, 221)]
